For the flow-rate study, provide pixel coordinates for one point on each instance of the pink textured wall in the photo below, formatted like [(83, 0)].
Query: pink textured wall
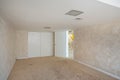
[(7, 46), (21, 44), (99, 46)]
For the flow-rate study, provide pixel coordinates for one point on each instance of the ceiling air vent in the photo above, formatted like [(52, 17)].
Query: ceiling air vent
[(74, 13), (78, 18), (47, 27)]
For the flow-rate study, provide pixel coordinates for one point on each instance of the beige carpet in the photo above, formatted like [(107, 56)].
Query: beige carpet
[(54, 68)]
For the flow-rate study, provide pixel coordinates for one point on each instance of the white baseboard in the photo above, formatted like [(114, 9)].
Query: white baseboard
[(31, 57), (23, 58), (110, 74), (26, 57)]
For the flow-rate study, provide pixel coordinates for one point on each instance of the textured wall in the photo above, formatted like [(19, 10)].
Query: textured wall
[(7, 42), (99, 46), (21, 44)]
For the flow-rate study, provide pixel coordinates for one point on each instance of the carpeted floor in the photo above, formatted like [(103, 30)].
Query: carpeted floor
[(54, 68)]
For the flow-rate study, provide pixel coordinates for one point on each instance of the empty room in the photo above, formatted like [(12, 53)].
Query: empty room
[(59, 39)]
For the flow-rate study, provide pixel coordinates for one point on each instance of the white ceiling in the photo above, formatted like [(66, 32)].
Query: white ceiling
[(37, 14)]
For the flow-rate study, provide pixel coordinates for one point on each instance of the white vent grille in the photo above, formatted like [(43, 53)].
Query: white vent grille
[(74, 13), (78, 18), (47, 27)]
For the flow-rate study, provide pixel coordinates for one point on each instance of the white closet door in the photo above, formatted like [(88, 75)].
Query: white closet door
[(46, 44), (34, 44), (40, 44), (61, 43)]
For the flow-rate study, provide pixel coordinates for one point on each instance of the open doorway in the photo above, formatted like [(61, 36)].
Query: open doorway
[(70, 44), (64, 44)]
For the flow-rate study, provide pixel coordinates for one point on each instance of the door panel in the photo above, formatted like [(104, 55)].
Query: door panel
[(61, 44), (34, 44), (46, 44), (40, 44)]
